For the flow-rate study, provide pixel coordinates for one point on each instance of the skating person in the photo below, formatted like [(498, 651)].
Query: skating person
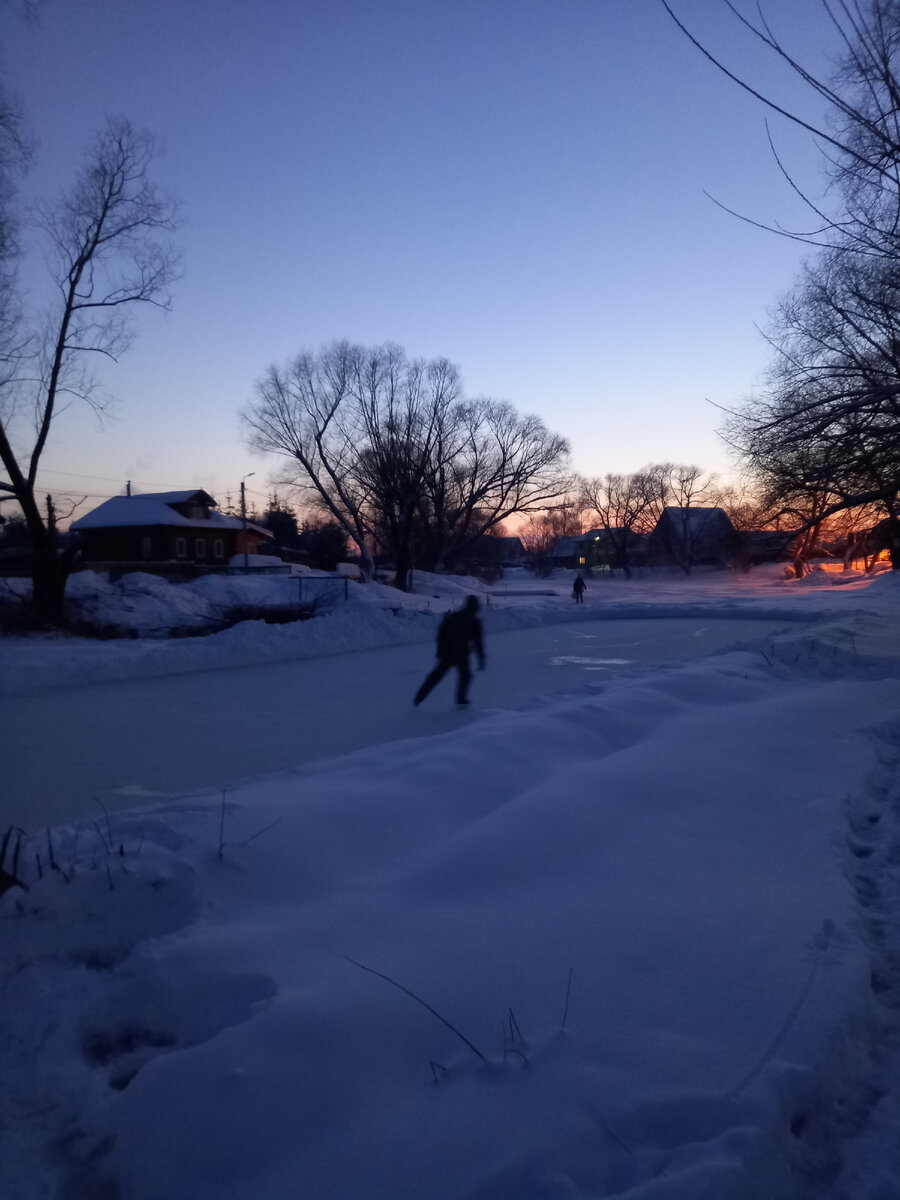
[(458, 634)]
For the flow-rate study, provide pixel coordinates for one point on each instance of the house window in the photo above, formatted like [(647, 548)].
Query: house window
[(146, 548), (218, 548), (200, 549), (181, 547), (581, 562)]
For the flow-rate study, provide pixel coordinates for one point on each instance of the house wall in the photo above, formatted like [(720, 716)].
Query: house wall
[(167, 544)]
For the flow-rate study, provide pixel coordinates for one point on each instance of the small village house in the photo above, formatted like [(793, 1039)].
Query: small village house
[(493, 554), (598, 548), (693, 537), (171, 532)]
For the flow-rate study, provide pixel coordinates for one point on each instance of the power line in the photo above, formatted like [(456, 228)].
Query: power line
[(135, 482), (65, 493), (104, 479)]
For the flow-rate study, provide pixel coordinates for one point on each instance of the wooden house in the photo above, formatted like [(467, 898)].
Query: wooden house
[(693, 537), (177, 530), (599, 548)]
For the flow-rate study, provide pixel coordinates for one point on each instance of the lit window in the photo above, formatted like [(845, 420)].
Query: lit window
[(581, 562)]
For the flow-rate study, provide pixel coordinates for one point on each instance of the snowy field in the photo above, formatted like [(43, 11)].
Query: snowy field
[(629, 928)]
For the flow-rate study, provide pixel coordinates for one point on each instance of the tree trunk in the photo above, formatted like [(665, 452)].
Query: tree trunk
[(404, 568), (366, 561), (49, 572)]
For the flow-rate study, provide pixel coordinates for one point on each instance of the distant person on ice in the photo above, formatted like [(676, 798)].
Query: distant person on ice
[(578, 589), (458, 633)]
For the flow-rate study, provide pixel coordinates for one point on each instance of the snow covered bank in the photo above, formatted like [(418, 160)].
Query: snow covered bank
[(651, 924), (373, 616)]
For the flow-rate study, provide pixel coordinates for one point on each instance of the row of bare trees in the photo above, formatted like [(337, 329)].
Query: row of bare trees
[(823, 436), (627, 508), (390, 448)]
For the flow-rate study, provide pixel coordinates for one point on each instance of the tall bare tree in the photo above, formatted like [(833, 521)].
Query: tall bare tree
[(108, 257), (361, 427), (407, 412), (397, 456)]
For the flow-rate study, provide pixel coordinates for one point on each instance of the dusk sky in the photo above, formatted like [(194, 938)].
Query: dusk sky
[(515, 185)]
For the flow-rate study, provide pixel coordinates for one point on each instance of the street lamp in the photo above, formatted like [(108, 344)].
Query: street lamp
[(244, 521)]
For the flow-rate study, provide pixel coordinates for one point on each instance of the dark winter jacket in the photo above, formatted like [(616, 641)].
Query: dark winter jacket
[(458, 633)]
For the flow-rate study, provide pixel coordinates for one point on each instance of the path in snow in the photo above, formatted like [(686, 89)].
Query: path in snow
[(116, 742)]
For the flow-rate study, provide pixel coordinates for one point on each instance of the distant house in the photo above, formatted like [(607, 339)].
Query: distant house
[(766, 545), (578, 550), (178, 530), (693, 537), (599, 548), (504, 551)]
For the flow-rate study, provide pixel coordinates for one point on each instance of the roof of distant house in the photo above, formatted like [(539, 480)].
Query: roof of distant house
[(566, 546), (156, 508), (692, 522)]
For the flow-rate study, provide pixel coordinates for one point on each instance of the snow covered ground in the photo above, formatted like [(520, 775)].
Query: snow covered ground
[(638, 939)]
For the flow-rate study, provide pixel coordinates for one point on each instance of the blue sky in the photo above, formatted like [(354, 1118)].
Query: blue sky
[(517, 185)]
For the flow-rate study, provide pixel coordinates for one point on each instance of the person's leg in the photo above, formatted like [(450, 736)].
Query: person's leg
[(464, 678), (432, 679)]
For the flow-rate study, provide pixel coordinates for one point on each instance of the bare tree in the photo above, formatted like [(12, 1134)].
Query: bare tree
[(745, 508), (859, 135), (107, 256), (543, 530), (623, 507), (407, 412), (397, 456), (305, 411), (499, 464), (362, 426), (828, 423), (824, 435), (14, 151)]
